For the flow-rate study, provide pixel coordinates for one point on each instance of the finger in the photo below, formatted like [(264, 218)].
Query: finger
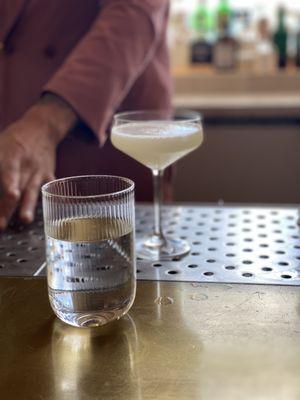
[(10, 180), (29, 199), (25, 177), (10, 193)]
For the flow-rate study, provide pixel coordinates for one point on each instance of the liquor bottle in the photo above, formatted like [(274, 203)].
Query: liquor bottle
[(179, 41), (265, 60), (201, 48), (246, 42), (297, 57), (224, 14), (225, 48), (280, 38)]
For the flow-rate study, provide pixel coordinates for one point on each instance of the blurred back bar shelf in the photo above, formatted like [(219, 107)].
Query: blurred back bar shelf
[(238, 93)]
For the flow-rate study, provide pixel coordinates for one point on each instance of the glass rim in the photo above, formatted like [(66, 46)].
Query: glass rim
[(126, 116), (129, 189)]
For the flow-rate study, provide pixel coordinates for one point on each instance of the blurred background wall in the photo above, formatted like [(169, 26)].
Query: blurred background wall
[(238, 63)]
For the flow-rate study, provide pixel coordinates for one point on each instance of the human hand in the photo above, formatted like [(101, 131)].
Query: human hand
[(27, 160)]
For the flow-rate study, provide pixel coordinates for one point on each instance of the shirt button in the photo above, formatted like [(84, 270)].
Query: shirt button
[(50, 51)]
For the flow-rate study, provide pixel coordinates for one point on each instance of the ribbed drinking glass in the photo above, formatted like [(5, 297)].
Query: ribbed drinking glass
[(89, 227)]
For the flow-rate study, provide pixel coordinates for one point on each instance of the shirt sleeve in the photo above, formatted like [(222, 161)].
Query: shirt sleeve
[(103, 66)]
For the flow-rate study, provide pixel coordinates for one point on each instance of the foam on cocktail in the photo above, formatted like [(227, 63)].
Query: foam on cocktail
[(157, 144)]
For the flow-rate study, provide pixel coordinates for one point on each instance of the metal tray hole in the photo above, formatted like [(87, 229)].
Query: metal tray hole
[(196, 243), (246, 212), (7, 237), (246, 230), (170, 232), (277, 231), (263, 256), (183, 237), (262, 235), (283, 263), (231, 216), (11, 254), (232, 225), (248, 262), (193, 266), (247, 221), (230, 255), (157, 265), (280, 252), (263, 245), (248, 240), (211, 260), (195, 253), (22, 260), (22, 242), (296, 247), (291, 227), (230, 267), (230, 244), (286, 276), (213, 238), (267, 269), (295, 237), (230, 234), (184, 228), (261, 217), (208, 273), (261, 226), (279, 241), (172, 272), (212, 249), (214, 229), (275, 222), (247, 274), (199, 233), (248, 250), (274, 212), (200, 223)]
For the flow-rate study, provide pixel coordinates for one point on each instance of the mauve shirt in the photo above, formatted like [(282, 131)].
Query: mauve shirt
[(99, 56)]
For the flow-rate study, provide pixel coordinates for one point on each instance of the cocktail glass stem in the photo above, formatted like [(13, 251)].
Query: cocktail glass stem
[(158, 191)]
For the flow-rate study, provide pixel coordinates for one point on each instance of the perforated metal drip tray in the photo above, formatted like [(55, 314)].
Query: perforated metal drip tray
[(229, 244)]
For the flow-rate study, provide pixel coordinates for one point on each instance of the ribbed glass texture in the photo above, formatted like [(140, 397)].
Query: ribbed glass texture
[(89, 228)]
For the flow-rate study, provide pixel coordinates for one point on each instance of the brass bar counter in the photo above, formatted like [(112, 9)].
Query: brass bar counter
[(179, 341)]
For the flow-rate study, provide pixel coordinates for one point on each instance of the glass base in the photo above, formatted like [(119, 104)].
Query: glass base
[(155, 248)]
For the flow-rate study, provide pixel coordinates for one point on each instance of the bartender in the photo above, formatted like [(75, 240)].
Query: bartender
[(66, 66)]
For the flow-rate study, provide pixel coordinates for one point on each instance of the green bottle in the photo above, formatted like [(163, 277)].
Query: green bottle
[(201, 49), (224, 13), (199, 18), (280, 38)]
